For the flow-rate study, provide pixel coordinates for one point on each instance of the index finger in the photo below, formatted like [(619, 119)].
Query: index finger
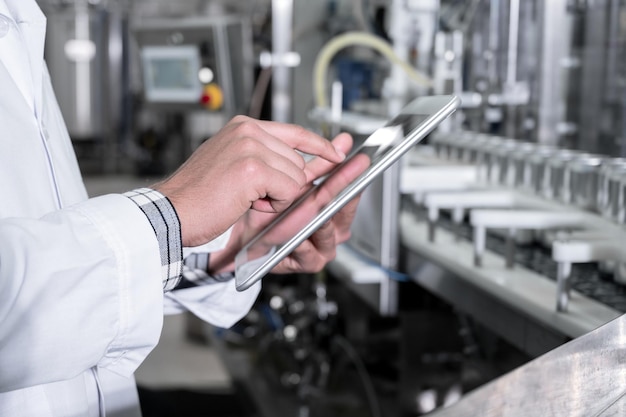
[(318, 166), (342, 178), (303, 140)]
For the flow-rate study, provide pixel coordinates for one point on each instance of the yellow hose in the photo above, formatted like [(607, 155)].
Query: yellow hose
[(329, 50)]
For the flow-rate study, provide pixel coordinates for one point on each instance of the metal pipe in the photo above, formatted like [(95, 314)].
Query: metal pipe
[(564, 270), (514, 17), (282, 33), (510, 248), (494, 29)]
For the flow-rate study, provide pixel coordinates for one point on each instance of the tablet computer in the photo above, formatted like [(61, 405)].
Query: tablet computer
[(320, 203)]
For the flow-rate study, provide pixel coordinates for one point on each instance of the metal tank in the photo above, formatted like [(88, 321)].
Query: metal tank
[(86, 57)]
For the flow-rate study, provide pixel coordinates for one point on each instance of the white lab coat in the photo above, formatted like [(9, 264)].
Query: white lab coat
[(81, 299)]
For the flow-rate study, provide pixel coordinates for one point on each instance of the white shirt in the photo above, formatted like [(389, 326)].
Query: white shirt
[(81, 298)]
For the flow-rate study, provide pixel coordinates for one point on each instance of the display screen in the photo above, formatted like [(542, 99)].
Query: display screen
[(275, 240), (171, 73)]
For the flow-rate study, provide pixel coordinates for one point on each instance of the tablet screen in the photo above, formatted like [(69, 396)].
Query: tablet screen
[(333, 191)]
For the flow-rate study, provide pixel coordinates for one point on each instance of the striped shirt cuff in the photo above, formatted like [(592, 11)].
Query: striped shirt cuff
[(195, 267), (166, 225)]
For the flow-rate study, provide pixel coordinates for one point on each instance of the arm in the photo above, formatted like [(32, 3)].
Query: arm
[(79, 287)]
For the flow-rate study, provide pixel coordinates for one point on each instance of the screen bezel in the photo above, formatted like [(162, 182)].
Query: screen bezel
[(434, 109)]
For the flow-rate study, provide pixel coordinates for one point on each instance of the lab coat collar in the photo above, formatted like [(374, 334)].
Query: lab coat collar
[(4, 10), (23, 11), (32, 24)]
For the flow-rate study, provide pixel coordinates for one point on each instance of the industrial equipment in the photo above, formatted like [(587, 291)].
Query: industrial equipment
[(196, 72), (195, 63)]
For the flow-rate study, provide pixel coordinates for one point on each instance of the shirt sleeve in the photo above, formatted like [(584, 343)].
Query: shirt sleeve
[(166, 225), (79, 288), (186, 282)]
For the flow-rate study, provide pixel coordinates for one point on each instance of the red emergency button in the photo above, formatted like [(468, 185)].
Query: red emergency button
[(212, 97)]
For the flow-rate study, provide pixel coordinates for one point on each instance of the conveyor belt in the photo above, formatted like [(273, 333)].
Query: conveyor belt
[(587, 278)]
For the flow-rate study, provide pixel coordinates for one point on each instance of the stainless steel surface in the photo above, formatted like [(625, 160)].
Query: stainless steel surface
[(584, 377)]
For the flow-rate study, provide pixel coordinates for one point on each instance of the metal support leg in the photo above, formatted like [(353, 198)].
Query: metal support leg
[(479, 245), (564, 270), (510, 248)]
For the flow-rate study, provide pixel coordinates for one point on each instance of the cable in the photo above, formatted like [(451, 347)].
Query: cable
[(337, 43), (260, 90), (395, 275), (360, 368)]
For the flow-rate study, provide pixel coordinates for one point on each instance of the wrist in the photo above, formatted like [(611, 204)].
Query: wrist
[(223, 261)]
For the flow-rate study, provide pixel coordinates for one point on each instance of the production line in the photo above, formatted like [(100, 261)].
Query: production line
[(491, 260)]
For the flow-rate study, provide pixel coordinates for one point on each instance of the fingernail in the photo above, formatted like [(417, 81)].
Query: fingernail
[(341, 154)]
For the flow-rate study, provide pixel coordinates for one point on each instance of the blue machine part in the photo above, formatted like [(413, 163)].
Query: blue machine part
[(357, 78)]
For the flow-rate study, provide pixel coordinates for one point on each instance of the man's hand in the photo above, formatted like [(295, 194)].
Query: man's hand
[(319, 249), (247, 164)]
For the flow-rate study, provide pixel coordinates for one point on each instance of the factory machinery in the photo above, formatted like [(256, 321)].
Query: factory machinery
[(481, 266), (486, 273)]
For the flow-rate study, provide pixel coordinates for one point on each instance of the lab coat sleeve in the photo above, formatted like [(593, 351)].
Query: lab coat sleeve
[(217, 303), (79, 288)]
